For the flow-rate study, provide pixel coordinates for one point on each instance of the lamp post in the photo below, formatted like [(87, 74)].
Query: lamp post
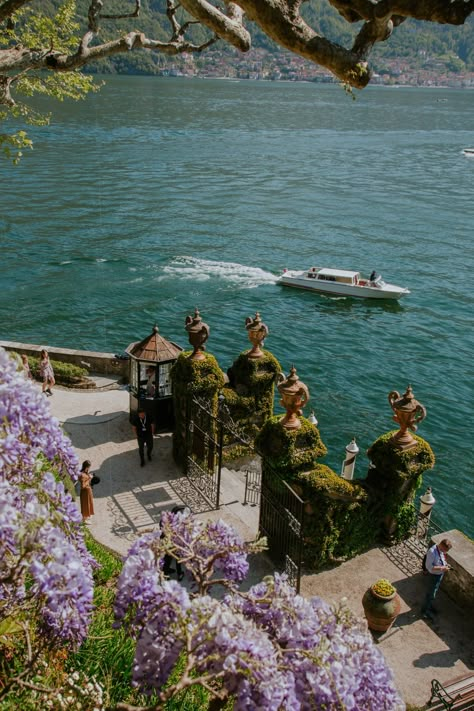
[(427, 501), (348, 465), (312, 418)]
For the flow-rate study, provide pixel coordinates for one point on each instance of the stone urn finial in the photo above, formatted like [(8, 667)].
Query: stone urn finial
[(408, 413), (257, 332), (294, 396), (198, 333)]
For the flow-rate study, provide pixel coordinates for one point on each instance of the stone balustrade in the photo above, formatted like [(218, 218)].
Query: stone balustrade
[(101, 363)]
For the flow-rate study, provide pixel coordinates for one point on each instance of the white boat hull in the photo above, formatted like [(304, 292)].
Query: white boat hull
[(300, 280)]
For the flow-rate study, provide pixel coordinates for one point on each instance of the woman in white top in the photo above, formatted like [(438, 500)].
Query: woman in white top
[(46, 372)]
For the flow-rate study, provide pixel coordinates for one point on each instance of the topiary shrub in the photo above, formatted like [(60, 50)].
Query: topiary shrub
[(193, 378), (249, 396), (197, 377), (288, 451), (337, 519), (393, 479)]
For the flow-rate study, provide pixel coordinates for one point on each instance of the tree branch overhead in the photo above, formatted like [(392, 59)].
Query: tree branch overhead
[(34, 44)]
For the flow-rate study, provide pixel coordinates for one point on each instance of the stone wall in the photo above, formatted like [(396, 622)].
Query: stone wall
[(458, 582), (94, 361)]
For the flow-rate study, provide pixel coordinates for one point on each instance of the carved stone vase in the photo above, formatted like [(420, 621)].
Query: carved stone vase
[(257, 332), (381, 612), (198, 333), (294, 396)]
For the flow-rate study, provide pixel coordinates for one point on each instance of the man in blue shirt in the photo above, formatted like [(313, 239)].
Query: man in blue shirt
[(436, 566)]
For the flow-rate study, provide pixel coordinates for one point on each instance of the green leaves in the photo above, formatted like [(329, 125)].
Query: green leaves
[(59, 33), (33, 29), (12, 146)]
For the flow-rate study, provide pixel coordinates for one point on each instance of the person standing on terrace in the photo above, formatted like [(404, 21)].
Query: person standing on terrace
[(436, 566), (46, 372), (144, 430), (86, 497)]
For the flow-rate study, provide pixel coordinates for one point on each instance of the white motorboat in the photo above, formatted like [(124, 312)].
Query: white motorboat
[(340, 282), (468, 152)]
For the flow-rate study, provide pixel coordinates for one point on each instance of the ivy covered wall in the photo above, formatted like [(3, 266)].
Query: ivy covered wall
[(393, 479), (249, 396), (200, 378), (343, 518)]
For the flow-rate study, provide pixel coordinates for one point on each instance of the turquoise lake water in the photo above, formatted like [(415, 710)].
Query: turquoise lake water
[(159, 195)]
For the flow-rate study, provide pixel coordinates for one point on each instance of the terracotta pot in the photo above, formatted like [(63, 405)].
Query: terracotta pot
[(381, 612)]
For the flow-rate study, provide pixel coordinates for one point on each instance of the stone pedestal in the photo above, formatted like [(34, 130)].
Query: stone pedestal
[(192, 378)]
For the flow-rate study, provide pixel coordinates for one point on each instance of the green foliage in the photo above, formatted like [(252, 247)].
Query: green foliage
[(343, 518), (250, 394), (289, 451), (393, 467), (52, 29), (331, 485), (347, 517), (232, 453), (201, 378), (337, 521), (197, 377), (58, 31), (13, 145), (405, 515)]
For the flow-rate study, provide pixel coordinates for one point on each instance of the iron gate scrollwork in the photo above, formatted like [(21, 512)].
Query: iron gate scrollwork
[(203, 463), (282, 522), (281, 509)]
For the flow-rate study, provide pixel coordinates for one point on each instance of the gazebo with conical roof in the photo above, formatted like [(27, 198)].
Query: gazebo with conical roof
[(151, 361)]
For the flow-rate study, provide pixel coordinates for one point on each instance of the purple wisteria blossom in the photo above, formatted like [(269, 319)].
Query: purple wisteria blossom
[(27, 427), (268, 649), (206, 546), (41, 541), (330, 652)]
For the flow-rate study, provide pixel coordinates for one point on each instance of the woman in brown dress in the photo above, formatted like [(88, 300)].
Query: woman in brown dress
[(87, 500)]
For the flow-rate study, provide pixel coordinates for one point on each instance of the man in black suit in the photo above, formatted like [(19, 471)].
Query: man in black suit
[(144, 429)]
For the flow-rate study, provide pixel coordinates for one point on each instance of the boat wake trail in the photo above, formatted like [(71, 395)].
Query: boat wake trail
[(202, 270)]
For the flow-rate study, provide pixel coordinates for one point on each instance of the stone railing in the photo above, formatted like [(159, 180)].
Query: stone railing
[(458, 583), (94, 361)]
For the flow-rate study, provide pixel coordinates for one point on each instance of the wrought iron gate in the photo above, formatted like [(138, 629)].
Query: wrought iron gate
[(203, 463), (408, 553), (281, 509), (282, 522)]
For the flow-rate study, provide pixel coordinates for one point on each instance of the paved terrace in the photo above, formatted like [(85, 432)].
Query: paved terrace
[(130, 499)]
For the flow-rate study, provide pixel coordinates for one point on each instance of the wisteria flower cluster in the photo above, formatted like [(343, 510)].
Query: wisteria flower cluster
[(268, 648), (45, 569)]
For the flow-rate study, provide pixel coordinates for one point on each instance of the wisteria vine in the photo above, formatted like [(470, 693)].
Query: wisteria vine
[(45, 569), (267, 648)]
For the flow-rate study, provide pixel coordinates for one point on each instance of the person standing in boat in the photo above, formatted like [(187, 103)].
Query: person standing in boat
[(373, 276)]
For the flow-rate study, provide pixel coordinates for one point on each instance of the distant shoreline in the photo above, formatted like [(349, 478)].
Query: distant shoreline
[(236, 80)]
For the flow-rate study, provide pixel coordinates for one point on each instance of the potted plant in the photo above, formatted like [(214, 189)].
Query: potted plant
[(381, 604)]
